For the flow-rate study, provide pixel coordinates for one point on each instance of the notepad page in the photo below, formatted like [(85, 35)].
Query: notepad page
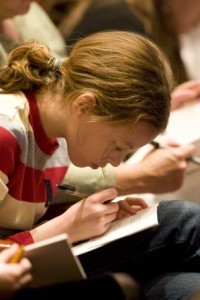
[(142, 220)]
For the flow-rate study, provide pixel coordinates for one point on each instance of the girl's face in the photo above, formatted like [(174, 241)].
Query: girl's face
[(95, 144), (11, 8)]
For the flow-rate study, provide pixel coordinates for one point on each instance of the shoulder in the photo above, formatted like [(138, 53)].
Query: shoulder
[(11, 103), (13, 108)]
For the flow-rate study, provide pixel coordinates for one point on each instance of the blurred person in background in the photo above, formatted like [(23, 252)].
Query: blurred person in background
[(173, 24)]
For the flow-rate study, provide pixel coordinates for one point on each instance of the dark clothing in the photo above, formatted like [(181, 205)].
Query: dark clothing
[(100, 17), (96, 288)]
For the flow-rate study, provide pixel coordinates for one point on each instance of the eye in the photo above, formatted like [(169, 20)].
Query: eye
[(118, 149)]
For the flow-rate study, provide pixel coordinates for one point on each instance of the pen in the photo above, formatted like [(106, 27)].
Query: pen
[(194, 159), (71, 190)]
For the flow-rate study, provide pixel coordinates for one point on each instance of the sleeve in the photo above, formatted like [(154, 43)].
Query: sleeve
[(88, 180), (21, 238), (43, 29), (10, 153)]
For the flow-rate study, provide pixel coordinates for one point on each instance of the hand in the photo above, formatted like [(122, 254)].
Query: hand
[(185, 93), (161, 171), (166, 167), (91, 216), (130, 206), (13, 276)]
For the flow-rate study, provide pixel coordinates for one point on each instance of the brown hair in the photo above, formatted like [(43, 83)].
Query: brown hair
[(127, 73)]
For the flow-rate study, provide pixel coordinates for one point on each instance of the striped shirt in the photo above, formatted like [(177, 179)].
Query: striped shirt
[(31, 165)]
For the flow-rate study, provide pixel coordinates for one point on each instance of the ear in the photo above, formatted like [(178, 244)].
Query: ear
[(84, 103)]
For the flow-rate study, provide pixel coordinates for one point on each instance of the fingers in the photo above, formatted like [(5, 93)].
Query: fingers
[(182, 152), (131, 205), (23, 269), (172, 143), (185, 151), (22, 281), (25, 280), (26, 264), (136, 201), (110, 218), (104, 196), (184, 95)]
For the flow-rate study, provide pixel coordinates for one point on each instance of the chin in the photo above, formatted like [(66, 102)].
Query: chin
[(79, 164)]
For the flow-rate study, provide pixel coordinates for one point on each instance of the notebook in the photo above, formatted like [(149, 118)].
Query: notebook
[(53, 261)]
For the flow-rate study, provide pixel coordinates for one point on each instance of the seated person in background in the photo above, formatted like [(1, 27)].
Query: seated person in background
[(158, 175), (17, 23), (90, 16), (175, 26), (172, 24), (102, 115)]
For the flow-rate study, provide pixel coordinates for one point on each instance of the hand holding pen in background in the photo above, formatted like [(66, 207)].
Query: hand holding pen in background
[(193, 159)]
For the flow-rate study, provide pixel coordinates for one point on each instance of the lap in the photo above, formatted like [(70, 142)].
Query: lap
[(172, 246), (172, 286)]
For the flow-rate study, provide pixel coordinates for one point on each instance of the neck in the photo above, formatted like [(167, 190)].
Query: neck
[(51, 114)]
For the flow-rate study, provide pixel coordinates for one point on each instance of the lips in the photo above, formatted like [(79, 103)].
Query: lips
[(94, 166)]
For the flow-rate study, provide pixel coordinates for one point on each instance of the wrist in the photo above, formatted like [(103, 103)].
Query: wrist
[(132, 180)]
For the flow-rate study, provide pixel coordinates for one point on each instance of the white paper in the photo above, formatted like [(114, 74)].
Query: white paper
[(140, 221)]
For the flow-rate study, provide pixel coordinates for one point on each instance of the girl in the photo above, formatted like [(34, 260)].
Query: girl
[(108, 98)]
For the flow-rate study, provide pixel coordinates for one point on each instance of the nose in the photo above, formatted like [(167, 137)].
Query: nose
[(116, 159)]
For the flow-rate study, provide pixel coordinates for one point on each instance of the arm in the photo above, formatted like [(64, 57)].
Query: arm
[(89, 217), (161, 171), (88, 180), (9, 148)]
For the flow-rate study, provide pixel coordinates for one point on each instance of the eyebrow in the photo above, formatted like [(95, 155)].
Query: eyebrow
[(131, 147), (127, 144), (122, 144)]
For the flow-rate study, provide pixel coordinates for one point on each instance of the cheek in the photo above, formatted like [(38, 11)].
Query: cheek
[(95, 151)]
